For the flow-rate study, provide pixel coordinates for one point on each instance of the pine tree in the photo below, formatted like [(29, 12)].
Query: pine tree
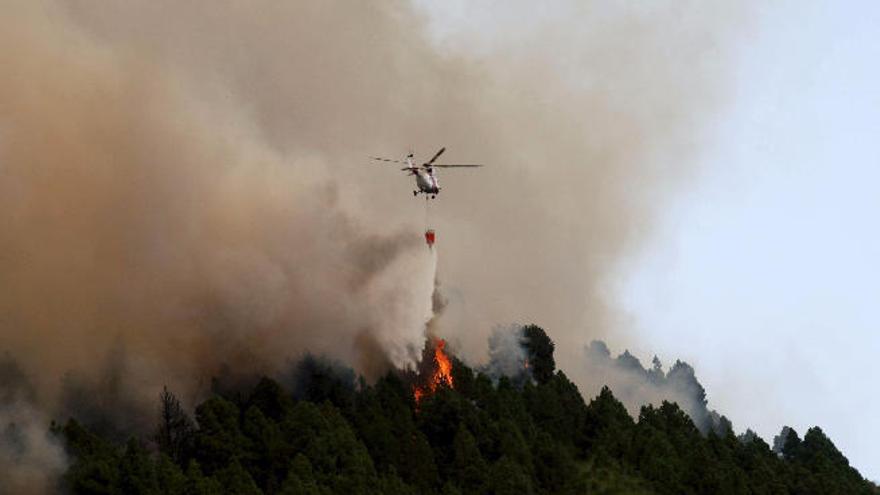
[(175, 433)]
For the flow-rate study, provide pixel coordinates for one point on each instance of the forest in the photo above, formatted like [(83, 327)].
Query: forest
[(329, 432)]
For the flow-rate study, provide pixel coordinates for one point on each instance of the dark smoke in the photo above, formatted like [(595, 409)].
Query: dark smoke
[(110, 402), (318, 379), (184, 185)]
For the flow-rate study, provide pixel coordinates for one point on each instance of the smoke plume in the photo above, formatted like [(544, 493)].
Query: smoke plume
[(632, 384), (184, 185), (507, 352), (31, 460), (635, 386)]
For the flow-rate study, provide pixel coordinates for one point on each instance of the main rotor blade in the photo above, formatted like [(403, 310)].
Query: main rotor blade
[(429, 162), (456, 165), (386, 160)]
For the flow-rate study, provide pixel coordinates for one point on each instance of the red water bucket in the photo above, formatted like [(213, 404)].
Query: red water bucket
[(429, 237)]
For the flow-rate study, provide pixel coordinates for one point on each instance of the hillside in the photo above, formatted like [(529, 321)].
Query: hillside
[(328, 433)]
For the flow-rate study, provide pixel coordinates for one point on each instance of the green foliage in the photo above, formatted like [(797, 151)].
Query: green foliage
[(174, 436), (301, 479), (608, 428), (539, 348), (219, 440), (137, 474), (236, 481), (169, 477), (507, 477), (95, 469), (198, 484), (324, 436), (792, 445), (828, 470)]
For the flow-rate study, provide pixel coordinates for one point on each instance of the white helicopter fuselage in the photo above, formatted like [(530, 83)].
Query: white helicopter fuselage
[(426, 182)]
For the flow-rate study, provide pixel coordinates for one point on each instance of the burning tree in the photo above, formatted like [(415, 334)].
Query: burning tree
[(436, 370)]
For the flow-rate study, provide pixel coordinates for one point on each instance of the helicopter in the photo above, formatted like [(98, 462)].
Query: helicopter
[(426, 181)]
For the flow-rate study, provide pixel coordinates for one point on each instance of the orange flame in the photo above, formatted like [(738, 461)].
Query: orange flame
[(442, 373)]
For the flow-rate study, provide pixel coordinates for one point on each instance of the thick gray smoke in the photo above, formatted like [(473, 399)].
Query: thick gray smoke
[(507, 352), (147, 209), (636, 385), (185, 184), (633, 384), (31, 460)]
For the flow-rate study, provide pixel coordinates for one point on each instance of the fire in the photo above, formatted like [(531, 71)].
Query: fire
[(441, 372)]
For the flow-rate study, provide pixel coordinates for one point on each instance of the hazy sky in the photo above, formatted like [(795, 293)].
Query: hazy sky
[(764, 272), (766, 275)]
